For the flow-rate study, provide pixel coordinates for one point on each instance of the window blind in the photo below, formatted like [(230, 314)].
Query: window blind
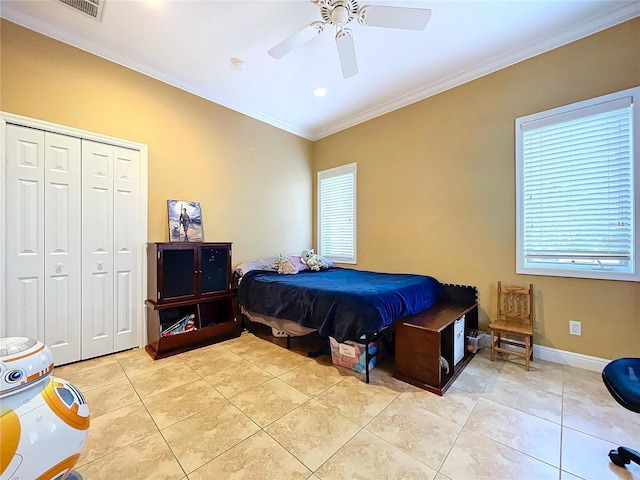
[(337, 213), (577, 186)]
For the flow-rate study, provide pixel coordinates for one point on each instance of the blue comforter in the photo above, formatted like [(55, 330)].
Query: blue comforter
[(341, 303)]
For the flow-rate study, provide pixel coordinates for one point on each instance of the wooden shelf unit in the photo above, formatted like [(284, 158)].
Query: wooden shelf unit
[(189, 279), (423, 338)]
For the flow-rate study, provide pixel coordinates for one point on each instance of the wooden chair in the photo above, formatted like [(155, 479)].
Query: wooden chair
[(515, 319)]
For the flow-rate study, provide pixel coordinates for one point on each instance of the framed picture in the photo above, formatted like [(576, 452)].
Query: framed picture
[(185, 221)]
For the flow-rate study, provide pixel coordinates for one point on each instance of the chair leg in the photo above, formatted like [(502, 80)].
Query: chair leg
[(527, 353), (493, 347), (530, 356)]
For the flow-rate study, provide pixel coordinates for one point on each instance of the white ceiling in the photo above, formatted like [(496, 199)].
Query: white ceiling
[(190, 44)]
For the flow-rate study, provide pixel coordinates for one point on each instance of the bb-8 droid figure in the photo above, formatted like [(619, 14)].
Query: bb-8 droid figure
[(44, 420)]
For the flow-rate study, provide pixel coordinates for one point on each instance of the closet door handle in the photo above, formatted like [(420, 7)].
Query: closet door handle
[(59, 267), (100, 263)]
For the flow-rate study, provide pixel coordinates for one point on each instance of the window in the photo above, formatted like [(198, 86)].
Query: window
[(577, 177), (337, 213)]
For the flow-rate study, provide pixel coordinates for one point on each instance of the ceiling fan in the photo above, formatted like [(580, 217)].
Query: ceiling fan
[(339, 13)]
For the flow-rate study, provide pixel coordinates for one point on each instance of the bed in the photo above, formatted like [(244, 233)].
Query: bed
[(345, 304), (341, 303)]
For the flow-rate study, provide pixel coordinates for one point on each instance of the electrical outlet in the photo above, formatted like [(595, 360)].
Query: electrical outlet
[(575, 328)]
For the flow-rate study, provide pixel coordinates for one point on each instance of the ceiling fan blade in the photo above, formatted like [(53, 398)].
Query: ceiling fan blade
[(346, 52), (394, 17), (296, 40)]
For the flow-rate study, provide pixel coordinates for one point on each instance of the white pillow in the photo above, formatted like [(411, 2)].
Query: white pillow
[(262, 263)]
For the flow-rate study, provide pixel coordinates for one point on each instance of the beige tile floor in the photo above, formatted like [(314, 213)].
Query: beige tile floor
[(250, 409)]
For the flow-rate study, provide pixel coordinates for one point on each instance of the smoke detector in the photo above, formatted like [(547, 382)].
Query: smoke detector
[(91, 8)]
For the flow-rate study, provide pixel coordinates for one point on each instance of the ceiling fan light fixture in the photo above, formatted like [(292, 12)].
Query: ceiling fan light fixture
[(340, 15)]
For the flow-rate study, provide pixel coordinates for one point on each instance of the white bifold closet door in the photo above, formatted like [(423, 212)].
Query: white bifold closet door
[(43, 239), (109, 254), (73, 247)]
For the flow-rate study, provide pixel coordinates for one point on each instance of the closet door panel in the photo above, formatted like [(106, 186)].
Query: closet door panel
[(24, 312), (126, 250), (97, 249), (74, 243), (62, 247)]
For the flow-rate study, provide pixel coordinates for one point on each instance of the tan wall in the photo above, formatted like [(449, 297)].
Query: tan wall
[(436, 188), (253, 181)]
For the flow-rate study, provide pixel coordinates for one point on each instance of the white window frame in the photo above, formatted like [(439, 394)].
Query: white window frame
[(349, 169), (628, 272)]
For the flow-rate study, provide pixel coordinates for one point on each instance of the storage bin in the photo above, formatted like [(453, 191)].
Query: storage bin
[(476, 340), (352, 354)]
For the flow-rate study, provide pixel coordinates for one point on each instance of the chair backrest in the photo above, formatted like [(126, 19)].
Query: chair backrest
[(515, 303)]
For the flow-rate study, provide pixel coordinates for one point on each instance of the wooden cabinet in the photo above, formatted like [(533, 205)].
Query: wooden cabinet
[(186, 271), (189, 280), (426, 344)]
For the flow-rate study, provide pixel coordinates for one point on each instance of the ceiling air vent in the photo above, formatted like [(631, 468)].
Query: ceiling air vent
[(92, 8)]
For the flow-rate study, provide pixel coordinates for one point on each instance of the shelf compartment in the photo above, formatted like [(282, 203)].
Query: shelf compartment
[(215, 322)]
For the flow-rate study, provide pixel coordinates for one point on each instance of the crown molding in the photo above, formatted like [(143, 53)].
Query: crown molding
[(584, 29), (18, 17), (625, 12)]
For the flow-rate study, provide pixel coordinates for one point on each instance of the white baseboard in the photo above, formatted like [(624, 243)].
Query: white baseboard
[(572, 359), (563, 357)]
